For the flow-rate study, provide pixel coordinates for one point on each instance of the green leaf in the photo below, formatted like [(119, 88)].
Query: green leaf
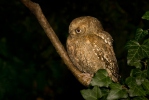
[(138, 73), (148, 72), (139, 98), (146, 15), (139, 80), (145, 48), (135, 72), (137, 63), (135, 86), (144, 73), (145, 85), (101, 78), (116, 92), (91, 94), (136, 91), (140, 33), (133, 52), (130, 81), (115, 86), (105, 93), (136, 52)]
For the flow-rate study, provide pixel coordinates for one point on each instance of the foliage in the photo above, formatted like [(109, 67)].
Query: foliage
[(136, 86)]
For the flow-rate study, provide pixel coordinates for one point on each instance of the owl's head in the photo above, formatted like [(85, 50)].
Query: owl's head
[(85, 25)]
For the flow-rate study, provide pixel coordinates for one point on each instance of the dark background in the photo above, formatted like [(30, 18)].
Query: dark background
[(31, 69)]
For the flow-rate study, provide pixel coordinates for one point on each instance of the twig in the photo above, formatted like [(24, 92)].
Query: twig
[(84, 78)]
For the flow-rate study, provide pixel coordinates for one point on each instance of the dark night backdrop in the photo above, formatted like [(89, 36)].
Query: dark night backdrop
[(31, 69)]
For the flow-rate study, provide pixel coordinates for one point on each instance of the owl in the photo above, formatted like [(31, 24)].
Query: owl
[(90, 47)]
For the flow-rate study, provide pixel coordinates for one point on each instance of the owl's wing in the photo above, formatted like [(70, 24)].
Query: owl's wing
[(104, 51)]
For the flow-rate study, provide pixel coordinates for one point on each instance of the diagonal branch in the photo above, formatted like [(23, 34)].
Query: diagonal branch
[(84, 78)]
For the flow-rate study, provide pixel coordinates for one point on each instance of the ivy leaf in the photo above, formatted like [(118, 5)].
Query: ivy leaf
[(135, 87), (148, 72), (136, 51), (139, 80), (139, 98), (116, 92), (115, 86), (133, 52), (145, 48), (140, 33), (91, 94), (138, 73), (135, 72), (146, 15), (101, 78), (136, 91), (105, 93), (137, 63), (145, 85), (144, 73), (130, 81)]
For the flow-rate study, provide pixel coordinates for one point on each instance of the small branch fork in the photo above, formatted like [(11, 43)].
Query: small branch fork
[(83, 78)]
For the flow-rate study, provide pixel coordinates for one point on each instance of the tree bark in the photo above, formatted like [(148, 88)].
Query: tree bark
[(84, 78)]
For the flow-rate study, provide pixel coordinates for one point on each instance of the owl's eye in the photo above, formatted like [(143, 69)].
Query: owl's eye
[(78, 30)]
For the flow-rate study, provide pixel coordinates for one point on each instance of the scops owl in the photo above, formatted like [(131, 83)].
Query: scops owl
[(90, 47)]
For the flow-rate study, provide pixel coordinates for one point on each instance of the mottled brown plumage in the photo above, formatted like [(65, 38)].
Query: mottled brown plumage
[(90, 47)]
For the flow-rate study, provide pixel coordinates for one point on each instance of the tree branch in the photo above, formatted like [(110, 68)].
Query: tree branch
[(84, 78)]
